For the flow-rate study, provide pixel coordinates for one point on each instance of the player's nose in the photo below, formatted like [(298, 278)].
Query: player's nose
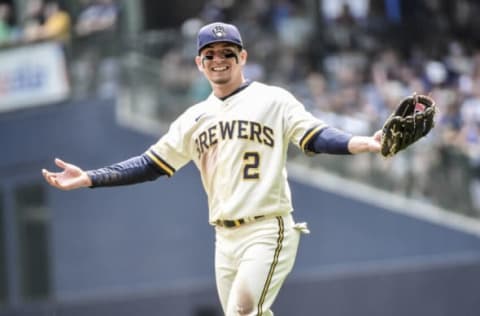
[(219, 58)]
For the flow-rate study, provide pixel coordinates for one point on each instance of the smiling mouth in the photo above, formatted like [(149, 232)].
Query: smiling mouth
[(219, 69)]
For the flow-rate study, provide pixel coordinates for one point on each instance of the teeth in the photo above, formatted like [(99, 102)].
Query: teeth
[(219, 68)]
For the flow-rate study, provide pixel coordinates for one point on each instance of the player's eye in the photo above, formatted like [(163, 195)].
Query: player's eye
[(208, 57), (229, 54)]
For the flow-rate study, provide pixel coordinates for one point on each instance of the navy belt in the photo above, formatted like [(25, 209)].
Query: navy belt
[(229, 223)]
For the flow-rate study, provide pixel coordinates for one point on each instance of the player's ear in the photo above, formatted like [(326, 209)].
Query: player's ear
[(198, 61), (243, 57)]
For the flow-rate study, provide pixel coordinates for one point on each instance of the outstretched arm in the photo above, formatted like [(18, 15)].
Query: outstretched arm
[(134, 170), (70, 178), (331, 140)]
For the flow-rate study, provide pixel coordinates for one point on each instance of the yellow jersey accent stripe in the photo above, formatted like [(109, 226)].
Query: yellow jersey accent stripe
[(281, 230), (308, 135), (162, 164)]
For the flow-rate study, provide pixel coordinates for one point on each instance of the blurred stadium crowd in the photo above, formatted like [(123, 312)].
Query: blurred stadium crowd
[(350, 62), (88, 35)]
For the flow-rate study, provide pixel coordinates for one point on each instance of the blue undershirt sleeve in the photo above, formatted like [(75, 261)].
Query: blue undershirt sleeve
[(330, 140), (134, 170)]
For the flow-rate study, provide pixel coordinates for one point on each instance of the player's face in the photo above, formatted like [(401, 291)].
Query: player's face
[(221, 62)]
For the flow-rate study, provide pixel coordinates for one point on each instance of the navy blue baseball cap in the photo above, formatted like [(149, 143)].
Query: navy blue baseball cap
[(218, 32)]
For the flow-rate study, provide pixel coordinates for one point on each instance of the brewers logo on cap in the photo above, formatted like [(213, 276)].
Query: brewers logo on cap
[(219, 31)]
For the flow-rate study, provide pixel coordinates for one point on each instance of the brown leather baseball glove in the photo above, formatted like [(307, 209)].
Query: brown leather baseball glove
[(412, 120)]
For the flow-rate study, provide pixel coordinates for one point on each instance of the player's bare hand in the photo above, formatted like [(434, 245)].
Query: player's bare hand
[(71, 177)]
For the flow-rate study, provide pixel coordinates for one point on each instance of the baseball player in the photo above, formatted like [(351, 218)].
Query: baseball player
[(238, 139)]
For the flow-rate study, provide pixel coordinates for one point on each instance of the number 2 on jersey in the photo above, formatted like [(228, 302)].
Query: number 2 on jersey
[(251, 162)]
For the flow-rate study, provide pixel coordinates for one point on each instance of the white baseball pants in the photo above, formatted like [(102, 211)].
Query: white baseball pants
[(252, 261)]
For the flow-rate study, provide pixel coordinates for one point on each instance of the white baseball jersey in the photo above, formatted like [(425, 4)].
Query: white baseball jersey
[(240, 147)]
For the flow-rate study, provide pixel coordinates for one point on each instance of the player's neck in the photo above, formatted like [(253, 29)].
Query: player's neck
[(223, 90)]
